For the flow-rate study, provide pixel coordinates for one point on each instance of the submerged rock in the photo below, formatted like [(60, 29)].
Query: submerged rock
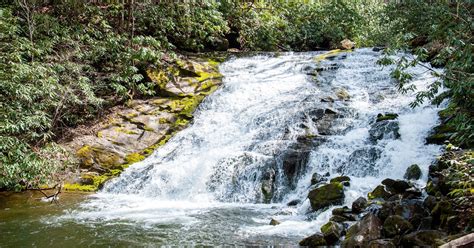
[(413, 172), (326, 195), (362, 162), (384, 130), (274, 222)]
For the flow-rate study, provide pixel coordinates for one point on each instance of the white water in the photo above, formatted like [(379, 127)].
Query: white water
[(208, 177)]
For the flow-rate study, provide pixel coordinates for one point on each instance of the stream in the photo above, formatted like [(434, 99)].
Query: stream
[(252, 147)]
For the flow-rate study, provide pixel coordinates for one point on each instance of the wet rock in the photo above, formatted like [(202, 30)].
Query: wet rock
[(362, 162), (315, 240), (379, 193), (382, 243), (396, 186), (317, 178), (274, 222), (294, 160), (293, 203), (413, 172), (326, 195), (332, 232), (342, 94), (327, 99), (359, 205), (423, 238), (385, 117), (268, 180), (396, 225), (360, 234), (344, 212), (384, 130), (340, 179)]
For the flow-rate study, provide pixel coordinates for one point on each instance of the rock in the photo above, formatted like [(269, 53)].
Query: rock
[(315, 240), (339, 219), (396, 186), (362, 162), (332, 232), (293, 202), (327, 99), (361, 233), (347, 44), (396, 225), (341, 211), (359, 205), (423, 238), (379, 193), (294, 160), (342, 94), (387, 116), (267, 185), (274, 222), (317, 178), (413, 172), (326, 195), (384, 130), (382, 243), (437, 138), (340, 179)]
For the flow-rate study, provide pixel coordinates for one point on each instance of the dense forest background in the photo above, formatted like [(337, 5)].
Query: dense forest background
[(62, 63)]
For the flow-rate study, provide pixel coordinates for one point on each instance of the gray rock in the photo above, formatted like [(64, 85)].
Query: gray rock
[(384, 130), (361, 233)]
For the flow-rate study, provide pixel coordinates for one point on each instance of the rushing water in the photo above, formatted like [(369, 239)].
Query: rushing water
[(204, 187)]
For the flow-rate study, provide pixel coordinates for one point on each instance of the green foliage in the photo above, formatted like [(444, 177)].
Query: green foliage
[(442, 34)]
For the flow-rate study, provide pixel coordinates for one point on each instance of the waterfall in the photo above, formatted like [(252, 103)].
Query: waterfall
[(276, 120)]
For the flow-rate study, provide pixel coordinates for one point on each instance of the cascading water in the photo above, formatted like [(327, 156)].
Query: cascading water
[(259, 139)]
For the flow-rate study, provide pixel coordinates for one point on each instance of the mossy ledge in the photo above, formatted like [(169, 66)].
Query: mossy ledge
[(142, 126)]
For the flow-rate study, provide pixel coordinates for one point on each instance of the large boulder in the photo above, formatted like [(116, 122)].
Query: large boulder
[(360, 234), (326, 195)]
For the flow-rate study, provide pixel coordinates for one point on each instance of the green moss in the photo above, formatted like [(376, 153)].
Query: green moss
[(163, 120), (124, 130), (134, 157), (78, 187)]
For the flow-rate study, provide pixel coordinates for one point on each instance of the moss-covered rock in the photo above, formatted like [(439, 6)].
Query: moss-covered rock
[(396, 225), (332, 232), (413, 172), (340, 179), (132, 132), (379, 193), (315, 240), (326, 195)]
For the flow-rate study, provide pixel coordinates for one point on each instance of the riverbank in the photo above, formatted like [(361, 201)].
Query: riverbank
[(400, 213)]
